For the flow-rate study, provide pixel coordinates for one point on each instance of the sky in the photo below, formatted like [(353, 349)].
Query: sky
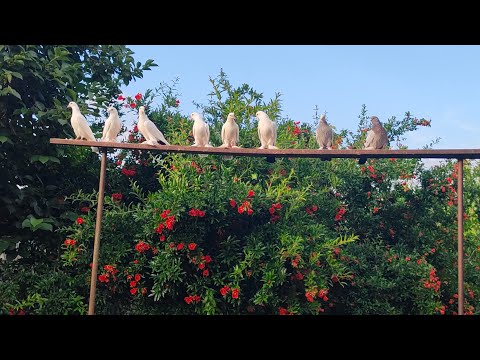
[(441, 83)]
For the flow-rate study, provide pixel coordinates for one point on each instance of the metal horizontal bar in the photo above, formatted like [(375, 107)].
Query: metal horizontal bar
[(306, 153)]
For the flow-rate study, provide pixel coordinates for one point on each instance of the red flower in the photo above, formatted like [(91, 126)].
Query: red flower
[(137, 277), (205, 272), (200, 213), (135, 261), (224, 290), (120, 98), (271, 210), (233, 203), (375, 209), (336, 251), (201, 266), (138, 96), (235, 293), (241, 209), (160, 228), (192, 212), (177, 102), (103, 278), (188, 299), (85, 209), (169, 222), (432, 250), (309, 296), (135, 128), (69, 242), (117, 197), (133, 106), (249, 211), (144, 291), (282, 311), (314, 208), (334, 278), (180, 246), (208, 259), (133, 284), (277, 206), (299, 276), (133, 291), (162, 237), (172, 245), (407, 258), (165, 214), (79, 221), (192, 246), (128, 173), (142, 247), (251, 193)]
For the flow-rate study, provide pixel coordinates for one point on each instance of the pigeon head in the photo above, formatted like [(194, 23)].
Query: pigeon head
[(112, 110), (375, 121), (231, 116), (72, 104), (195, 116), (323, 118), (261, 115), (141, 110)]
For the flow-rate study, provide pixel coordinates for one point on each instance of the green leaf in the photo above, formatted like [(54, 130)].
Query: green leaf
[(45, 226), (3, 139), (26, 223), (43, 159), (4, 245), (17, 75), (10, 90), (35, 222)]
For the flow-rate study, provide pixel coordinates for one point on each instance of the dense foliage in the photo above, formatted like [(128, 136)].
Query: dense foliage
[(186, 234)]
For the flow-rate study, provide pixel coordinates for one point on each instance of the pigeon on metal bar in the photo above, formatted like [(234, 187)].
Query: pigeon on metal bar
[(377, 138), (267, 132), (112, 125), (201, 132), (80, 125), (148, 129), (230, 134), (324, 134)]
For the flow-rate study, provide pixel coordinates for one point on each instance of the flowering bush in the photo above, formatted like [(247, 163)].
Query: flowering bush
[(202, 235)]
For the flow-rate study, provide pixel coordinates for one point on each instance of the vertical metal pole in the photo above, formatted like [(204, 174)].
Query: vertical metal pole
[(460, 237), (98, 228)]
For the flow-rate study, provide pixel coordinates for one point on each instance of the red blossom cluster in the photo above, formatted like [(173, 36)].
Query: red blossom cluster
[(192, 299), (169, 222), (274, 217), (142, 247), (204, 260), (128, 172), (433, 282), (296, 129), (196, 213), (295, 261), (79, 221), (133, 284), (109, 270), (340, 212), (246, 206), (197, 168), (311, 210), (283, 311), (117, 197), (69, 242)]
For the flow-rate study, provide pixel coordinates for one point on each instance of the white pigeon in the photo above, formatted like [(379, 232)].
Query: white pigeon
[(230, 134), (112, 125), (80, 125), (201, 132), (267, 131), (148, 129), (324, 134)]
